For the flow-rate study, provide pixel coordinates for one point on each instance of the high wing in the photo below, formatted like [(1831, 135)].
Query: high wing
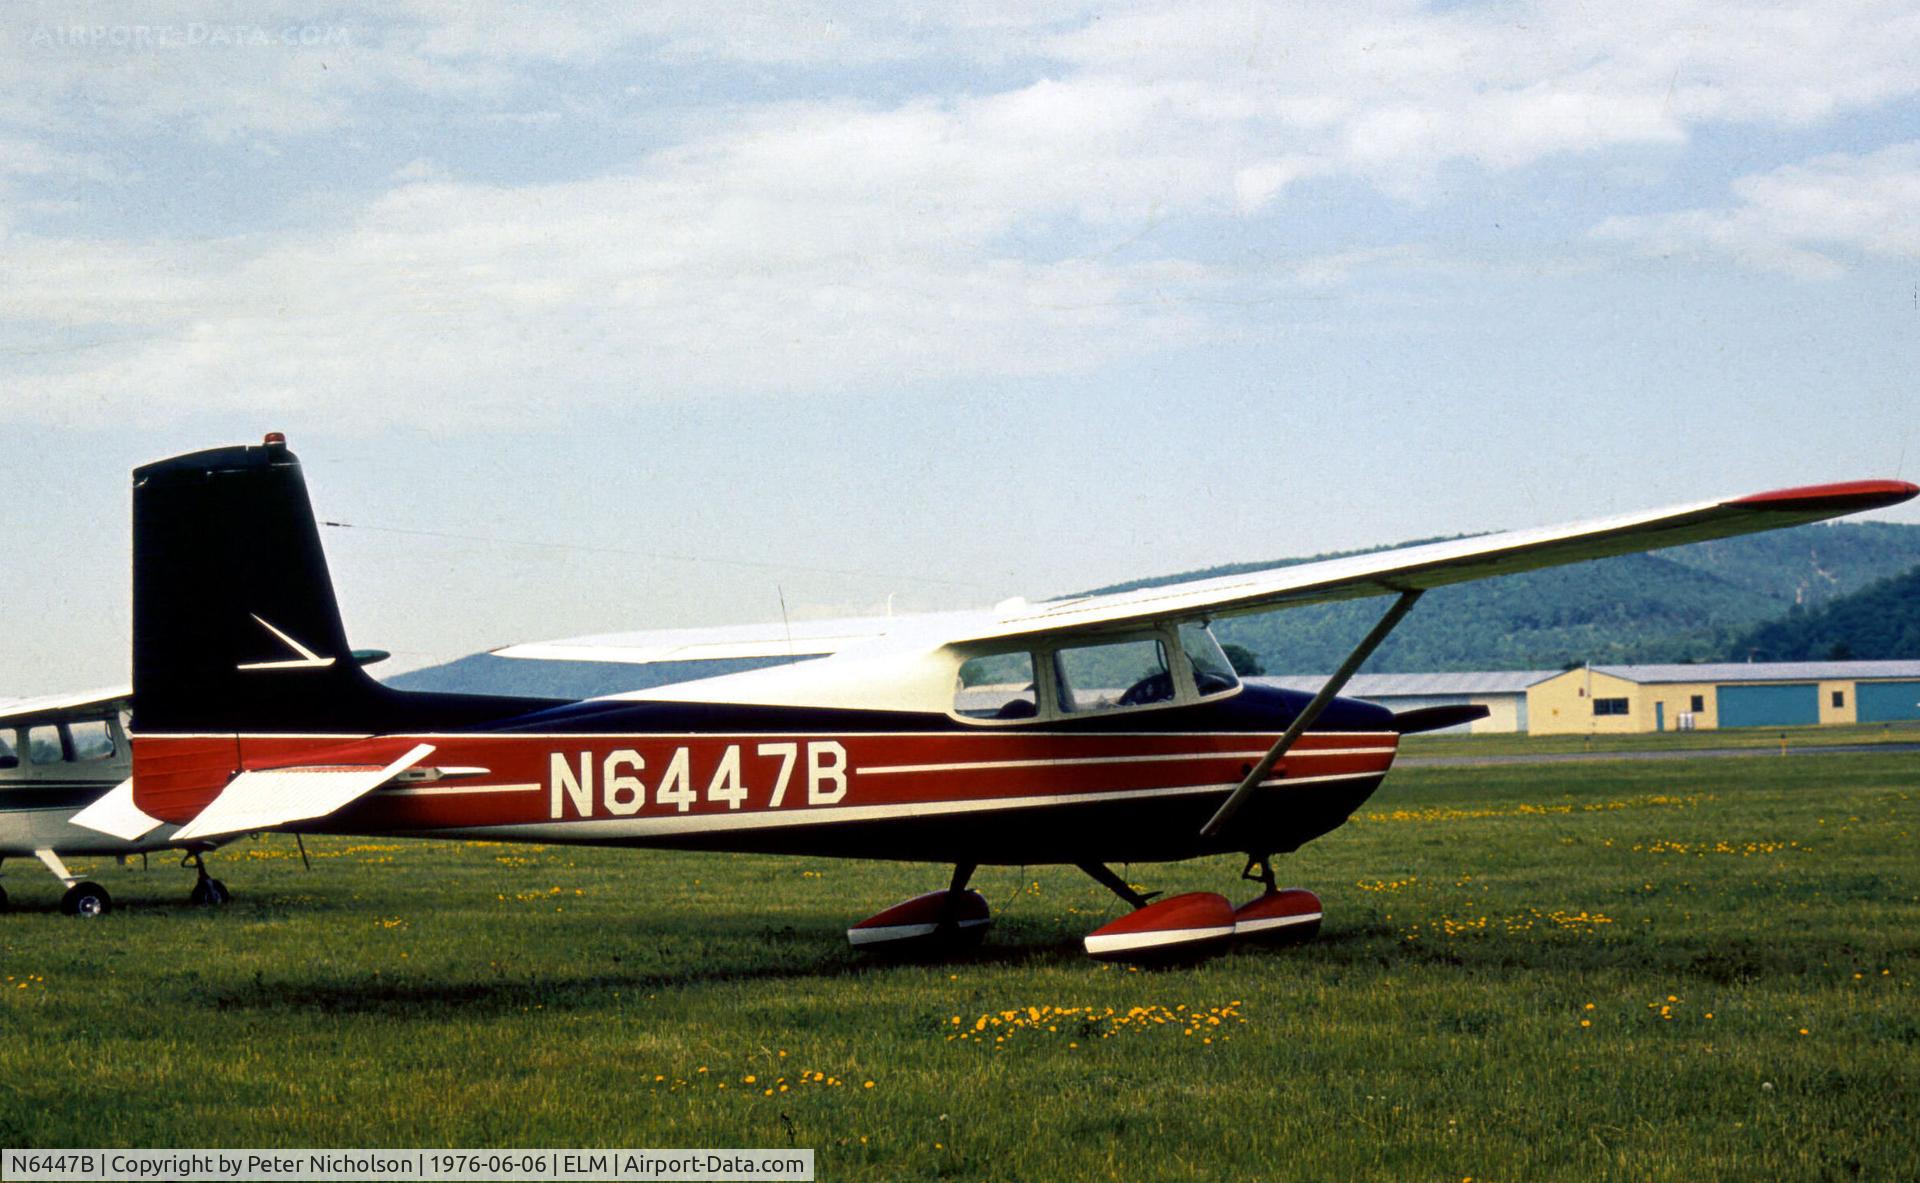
[(58, 708), (802, 638), (1421, 568), (1414, 568)]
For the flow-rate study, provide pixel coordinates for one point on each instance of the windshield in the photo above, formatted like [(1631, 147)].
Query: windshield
[(1212, 672)]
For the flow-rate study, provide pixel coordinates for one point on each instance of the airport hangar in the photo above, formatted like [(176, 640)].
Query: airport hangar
[(1618, 699)]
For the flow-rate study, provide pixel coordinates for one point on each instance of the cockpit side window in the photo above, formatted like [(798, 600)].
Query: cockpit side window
[(9, 754), (998, 686), (92, 739), (1116, 674), (1212, 672), (43, 744)]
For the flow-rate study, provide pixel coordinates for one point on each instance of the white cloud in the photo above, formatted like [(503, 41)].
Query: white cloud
[(812, 248), (846, 244), (1805, 219)]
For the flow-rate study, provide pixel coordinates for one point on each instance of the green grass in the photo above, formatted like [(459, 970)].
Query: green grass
[(450, 994), (1768, 738)]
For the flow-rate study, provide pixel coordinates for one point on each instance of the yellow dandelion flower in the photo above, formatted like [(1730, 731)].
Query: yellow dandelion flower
[(867, 1085)]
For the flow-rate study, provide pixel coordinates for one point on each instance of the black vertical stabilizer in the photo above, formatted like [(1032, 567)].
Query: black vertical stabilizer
[(235, 626)]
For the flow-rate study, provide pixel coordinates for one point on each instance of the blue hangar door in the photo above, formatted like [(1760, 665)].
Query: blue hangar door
[(1879, 702), (1770, 706)]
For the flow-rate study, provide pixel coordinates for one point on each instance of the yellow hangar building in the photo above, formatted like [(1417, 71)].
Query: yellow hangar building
[(1610, 699), (1616, 699)]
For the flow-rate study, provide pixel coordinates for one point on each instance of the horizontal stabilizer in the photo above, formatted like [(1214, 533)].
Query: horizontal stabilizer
[(276, 797), (116, 814)]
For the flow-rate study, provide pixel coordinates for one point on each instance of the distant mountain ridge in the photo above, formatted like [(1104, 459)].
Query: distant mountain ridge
[(1688, 603), (1692, 603), (1880, 622)]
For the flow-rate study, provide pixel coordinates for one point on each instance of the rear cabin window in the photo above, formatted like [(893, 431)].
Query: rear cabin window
[(43, 745), (92, 739), (997, 687), (1117, 674)]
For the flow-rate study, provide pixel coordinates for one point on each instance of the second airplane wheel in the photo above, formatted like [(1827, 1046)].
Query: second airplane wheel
[(209, 893), (86, 899)]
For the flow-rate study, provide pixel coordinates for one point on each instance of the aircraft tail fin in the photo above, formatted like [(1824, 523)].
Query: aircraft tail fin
[(235, 625)]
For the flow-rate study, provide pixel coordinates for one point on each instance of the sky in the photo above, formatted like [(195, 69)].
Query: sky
[(624, 316)]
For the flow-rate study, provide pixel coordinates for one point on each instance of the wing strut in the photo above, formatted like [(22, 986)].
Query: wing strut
[(1305, 718)]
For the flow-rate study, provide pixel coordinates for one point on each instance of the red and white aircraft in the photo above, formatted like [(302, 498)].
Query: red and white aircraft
[(1081, 731)]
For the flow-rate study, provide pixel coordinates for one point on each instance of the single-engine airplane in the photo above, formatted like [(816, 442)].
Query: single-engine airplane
[(59, 753), (1083, 731)]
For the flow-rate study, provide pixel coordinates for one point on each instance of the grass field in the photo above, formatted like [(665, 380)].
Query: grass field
[(1653, 970), (1767, 738)]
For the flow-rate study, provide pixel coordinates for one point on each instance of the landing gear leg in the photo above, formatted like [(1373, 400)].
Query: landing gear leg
[(1259, 869), (1104, 876), (207, 891), (950, 912), (82, 898)]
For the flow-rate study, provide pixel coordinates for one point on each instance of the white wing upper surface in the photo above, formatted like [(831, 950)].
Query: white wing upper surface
[(1419, 568), (802, 638), (1381, 573), (53, 708)]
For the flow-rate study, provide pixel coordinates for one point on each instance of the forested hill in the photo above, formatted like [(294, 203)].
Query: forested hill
[(1878, 623), (1687, 603)]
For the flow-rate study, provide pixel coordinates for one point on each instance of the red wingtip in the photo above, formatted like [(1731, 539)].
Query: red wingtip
[(1845, 497)]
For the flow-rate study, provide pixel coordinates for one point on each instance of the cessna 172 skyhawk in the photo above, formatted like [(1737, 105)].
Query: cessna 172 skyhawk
[(1083, 731)]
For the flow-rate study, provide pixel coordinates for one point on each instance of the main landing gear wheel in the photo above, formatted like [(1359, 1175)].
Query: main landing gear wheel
[(1176, 930), (1185, 928), (86, 899), (1279, 915), (938, 922), (207, 891)]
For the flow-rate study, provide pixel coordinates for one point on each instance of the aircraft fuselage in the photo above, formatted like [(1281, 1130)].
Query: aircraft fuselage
[(1135, 786)]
